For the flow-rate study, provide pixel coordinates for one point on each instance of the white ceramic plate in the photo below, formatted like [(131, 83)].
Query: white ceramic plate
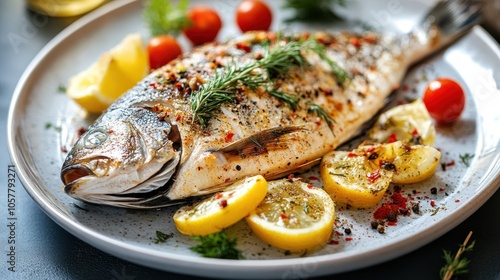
[(130, 235)]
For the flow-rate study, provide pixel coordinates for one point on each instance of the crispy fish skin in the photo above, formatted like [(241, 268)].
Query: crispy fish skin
[(148, 149)]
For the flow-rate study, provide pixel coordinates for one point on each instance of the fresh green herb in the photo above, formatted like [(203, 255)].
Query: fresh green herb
[(435, 211), (217, 245), (338, 71), (320, 112), (50, 125), (255, 141), (221, 88), (455, 265), (163, 17), (162, 237), (290, 99), (310, 11), (465, 158), (61, 89)]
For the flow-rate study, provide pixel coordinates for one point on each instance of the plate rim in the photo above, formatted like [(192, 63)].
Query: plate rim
[(222, 268)]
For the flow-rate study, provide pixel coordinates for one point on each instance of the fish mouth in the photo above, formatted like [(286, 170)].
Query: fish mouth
[(72, 173)]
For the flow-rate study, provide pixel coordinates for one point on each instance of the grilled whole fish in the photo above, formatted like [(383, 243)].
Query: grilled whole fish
[(153, 147)]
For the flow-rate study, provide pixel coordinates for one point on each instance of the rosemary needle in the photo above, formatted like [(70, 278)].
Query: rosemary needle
[(455, 265)]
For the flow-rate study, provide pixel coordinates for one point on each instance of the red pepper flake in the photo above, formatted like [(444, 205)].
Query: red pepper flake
[(293, 115), (178, 118), (457, 200), (391, 223), (352, 155), (451, 163), (314, 178), (398, 202), (373, 176), (227, 180), (339, 233), (333, 242), (318, 123), (110, 131), (370, 39), (64, 149), (218, 196), (433, 203), (310, 186), (355, 42), (153, 84), (283, 216), (244, 47), (229, 137), (81, 131), (392, 138), (414, 132), (290, 177), (223, 203), (442, 189), (348, 238), (239, 98), (230, 194)]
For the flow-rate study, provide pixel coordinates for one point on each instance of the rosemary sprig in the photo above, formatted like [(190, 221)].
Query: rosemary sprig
[(163, 17), (221, 88), (454, 264), (465, 158), (320, 112), (338, 71), (290, 99)]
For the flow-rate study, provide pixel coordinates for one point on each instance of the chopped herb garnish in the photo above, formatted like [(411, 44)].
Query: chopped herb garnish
[(465, 158), (50, 125), (455, 265), (314, 11), (163, 17), (61, 89), (162, 237), (217, 245)]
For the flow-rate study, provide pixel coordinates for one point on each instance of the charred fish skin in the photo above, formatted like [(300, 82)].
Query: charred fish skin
[(269, 130)]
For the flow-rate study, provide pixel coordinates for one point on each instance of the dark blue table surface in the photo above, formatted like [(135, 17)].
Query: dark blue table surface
[(46, 251)]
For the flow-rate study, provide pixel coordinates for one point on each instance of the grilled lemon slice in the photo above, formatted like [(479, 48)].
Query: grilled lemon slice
[(409, 122), (222, 209), (360, 178), (293, 216)]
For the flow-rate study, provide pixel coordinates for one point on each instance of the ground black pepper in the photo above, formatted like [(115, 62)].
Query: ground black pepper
[(433, 190)]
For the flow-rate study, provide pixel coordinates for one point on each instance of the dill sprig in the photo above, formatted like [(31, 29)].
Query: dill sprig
[(320, 112), (221, 89), (454, 264), (217, 245), (163, 17)]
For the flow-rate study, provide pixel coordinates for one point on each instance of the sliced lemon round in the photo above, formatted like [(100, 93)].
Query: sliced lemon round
[(409, 122), (358, 178), (222, 209), (415, 163), (293, 216), (115, 72)]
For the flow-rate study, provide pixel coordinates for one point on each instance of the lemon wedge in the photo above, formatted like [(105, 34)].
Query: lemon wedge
[(409, 122), (360, 178), (222, 209), (293, 216), (115, 72)]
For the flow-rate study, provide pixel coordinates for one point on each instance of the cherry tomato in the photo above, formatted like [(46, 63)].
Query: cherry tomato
[(444, 99), (162, 49), (205, 25), (253, 15)]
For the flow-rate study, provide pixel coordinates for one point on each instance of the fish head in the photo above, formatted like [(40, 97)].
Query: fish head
[(125, 157)]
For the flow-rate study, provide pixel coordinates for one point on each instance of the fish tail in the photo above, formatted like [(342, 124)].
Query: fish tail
[(446, 22)]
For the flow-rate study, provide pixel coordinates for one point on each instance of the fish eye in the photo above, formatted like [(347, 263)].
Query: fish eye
[(94, 139)]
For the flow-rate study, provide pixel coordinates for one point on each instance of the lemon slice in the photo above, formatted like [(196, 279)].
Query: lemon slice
[(293, 216), (115, 72), (409, 122), (222, 209), (361, 177), (415, 163), (358, 178)]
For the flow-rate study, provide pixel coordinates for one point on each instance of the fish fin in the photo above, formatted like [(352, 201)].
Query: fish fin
[(261, 142)]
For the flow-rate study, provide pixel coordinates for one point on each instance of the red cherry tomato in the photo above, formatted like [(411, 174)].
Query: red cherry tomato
[(205, 25), (162, 49), (444, 99), (253, 15)]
